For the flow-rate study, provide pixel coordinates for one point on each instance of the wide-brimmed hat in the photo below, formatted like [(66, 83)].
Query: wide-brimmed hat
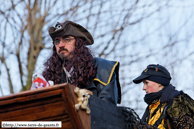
[(156, 73), (69, 28)]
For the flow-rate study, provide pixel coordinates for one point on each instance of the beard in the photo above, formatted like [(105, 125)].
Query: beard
[(65, 57), (62, 54), (67, 60)]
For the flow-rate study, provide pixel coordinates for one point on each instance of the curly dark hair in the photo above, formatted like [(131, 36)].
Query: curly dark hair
[(83, 66)]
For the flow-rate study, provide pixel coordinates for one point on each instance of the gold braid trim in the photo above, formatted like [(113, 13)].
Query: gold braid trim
[(96, 79)]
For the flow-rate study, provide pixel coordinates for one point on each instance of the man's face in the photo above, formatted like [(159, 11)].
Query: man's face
[(150, 86), (65, 46)]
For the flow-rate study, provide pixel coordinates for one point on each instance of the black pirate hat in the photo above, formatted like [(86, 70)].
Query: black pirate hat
[(69, 28)]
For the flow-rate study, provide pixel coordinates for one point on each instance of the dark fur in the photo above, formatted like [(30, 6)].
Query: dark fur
[(82, 61)]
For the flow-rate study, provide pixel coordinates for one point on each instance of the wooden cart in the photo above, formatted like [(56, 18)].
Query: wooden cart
[(56, 103)]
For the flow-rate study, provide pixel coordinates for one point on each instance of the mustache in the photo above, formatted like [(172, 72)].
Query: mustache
[(61, 49)]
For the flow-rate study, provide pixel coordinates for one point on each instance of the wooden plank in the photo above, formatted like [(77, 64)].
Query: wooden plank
[(18, 106), (67, 125), (31, 97), (39, 96), (63, 118), (85, 118), (30, 92), (28, 111), (39, 115), (70, 107)]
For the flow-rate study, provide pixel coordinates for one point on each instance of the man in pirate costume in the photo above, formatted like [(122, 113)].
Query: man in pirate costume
[(72, 62), (167, 108)]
